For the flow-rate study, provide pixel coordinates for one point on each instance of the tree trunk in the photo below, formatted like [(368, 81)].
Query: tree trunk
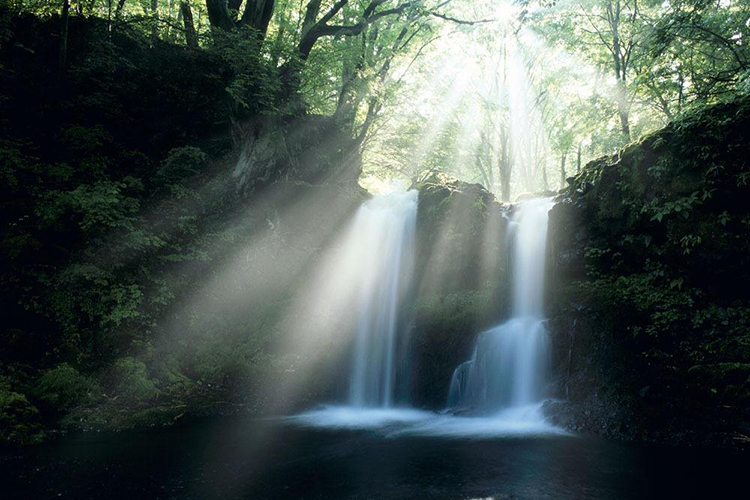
[(505, 165), (118, 10), (505, 173), (578, 159), (487, 158), (620, 66), (234, 7), (155, 21), (562, 170), (344, 106), (170, 27), (480, 161), (622, 108), (350, 95), (109, 17), (278, 44), (218, 15), (64, 19), (191, 36), (258, 15)]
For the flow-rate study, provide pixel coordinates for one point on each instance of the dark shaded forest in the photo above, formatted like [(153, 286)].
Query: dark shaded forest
[(173, 173)]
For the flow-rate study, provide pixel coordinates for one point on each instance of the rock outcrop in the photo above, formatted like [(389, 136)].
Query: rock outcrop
[(649, 309), (461, 271)]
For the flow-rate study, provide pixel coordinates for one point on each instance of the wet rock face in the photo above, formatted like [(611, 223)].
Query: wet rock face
[(461, 269), (567, 237), (461, 231)]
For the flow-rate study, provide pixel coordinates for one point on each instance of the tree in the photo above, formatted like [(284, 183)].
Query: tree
[(64, 24), (614, 25), (223, 14), (191, 36), (694, 52)]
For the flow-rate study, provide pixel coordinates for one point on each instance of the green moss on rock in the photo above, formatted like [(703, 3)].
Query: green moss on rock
[(651, 250)]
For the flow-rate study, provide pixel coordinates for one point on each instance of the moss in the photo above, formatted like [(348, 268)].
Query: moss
[(458, 311), (460, 234), (656, 240)]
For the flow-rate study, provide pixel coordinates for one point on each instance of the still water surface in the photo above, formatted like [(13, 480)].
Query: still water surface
[(275, 459)]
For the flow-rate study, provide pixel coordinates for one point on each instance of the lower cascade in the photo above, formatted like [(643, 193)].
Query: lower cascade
[(508, 368), (385, 227)]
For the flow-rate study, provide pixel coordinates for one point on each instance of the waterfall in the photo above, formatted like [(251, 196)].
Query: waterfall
[(503, 381), (384, 228), (507, 369)]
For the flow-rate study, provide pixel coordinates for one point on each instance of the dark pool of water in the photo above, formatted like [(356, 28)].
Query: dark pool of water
[(244, 459)]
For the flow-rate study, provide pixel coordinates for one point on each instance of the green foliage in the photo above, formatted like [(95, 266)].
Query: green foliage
[(63, 388), (181, 164), (254, 84), (680, 206), (19, 419), (103, 204), (666, 255), (129, 379), (117, 205), (91, 256), (656, 308), (454, 313)]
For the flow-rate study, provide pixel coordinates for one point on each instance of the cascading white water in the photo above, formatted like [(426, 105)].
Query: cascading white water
[(508, 366), (384, 228), (505, 376)]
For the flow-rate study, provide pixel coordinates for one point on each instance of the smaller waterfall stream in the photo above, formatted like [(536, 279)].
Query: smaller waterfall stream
[(507, 369)]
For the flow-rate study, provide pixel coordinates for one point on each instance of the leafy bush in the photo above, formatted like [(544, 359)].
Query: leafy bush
[(63, 387), (665, 254), (19, 419), (181, 163), (129, 378)]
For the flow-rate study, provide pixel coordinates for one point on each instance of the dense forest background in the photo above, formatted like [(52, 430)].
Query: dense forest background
[(159, 158), (513, 95)]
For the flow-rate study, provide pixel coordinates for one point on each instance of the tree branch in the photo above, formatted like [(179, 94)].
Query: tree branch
[(332, 12), (461, 21), (321, 28), (371, 8)]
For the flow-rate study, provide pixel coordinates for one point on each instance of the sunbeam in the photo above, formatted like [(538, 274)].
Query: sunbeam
[(392, 249)]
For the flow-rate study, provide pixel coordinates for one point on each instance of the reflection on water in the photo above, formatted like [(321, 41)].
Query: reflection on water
[(271, 459)]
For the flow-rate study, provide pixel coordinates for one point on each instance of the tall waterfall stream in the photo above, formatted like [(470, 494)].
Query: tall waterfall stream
[(385, 227)]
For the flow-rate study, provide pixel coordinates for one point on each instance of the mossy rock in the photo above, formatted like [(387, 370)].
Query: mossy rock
[(650, 250), (460, 236)]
